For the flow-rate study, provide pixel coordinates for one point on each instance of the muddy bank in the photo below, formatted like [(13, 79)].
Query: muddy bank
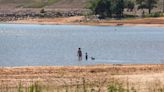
[(82, 20)]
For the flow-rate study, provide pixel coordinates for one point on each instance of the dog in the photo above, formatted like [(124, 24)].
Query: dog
[(92, 58)]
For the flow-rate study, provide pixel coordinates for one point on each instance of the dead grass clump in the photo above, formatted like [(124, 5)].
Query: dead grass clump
[(155, 86)]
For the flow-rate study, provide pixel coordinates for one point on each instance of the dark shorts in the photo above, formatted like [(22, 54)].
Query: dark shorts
[(80, 55)]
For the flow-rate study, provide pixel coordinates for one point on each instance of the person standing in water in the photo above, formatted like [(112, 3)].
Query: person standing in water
[(86, 56), (79, 54)]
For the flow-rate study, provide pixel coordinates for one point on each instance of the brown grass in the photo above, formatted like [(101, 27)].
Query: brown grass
[(94, 77)]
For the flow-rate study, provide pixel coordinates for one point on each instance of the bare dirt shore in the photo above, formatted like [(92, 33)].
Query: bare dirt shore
[(81, 20), (138, 77)]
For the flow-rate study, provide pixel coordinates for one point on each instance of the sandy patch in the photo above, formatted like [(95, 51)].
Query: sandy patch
[(79, 20)]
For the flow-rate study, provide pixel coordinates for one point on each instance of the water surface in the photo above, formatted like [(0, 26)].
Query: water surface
[(37, 45)]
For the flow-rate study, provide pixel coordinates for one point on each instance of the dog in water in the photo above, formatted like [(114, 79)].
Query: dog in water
[(92, 58)]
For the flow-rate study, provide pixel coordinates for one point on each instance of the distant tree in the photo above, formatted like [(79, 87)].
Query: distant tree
[(141, 4), (104, 8), (119, 8), (151, 4), (107, 8), (101, 8), (129, 5), (147, 4), (93, 4)]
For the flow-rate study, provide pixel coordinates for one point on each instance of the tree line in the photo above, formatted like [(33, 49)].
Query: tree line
[(115, 8)]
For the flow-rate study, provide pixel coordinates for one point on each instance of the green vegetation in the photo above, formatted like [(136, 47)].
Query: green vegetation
[(102, 7), (51, 1), (33, 5), (115, 87), (156, 14), (29, 3), (147, 4), (103, 85), (115, 8), (36, 87), (129, 4), (118, 8), (107, 8), (39, 3), (109, 86), (20, 88)]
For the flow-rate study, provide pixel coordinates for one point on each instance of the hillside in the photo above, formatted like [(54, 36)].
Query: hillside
[(6, 4), (69, 4), (21, 9)]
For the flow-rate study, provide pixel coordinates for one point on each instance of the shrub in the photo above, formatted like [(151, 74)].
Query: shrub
[(20, 88), (115, 87), (35, 88), (42, 11), (156, 14), (32, 88)]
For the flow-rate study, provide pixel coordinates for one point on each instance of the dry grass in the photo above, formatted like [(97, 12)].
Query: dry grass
[(86, 78)]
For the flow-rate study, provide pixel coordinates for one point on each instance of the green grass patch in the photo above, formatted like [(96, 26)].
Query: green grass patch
[(52, 1), (37, 4), (33, 5), (156, 14)]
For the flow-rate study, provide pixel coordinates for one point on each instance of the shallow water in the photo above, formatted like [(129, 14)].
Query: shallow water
[(37, 45)]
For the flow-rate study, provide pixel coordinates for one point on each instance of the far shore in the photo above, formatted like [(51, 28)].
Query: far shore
[(79, 20)]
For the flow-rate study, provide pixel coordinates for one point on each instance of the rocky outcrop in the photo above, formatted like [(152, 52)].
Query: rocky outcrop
[(18, 14)]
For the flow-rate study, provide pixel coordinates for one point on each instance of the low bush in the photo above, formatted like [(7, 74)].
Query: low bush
[(115, 87), (156, 14)]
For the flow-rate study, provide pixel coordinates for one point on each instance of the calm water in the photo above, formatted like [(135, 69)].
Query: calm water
[(37, 45)]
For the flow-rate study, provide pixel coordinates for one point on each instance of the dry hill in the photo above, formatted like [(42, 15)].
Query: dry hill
[(66, 4), (42, 3)]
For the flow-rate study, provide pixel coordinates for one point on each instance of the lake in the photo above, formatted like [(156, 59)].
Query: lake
[(57, 45)]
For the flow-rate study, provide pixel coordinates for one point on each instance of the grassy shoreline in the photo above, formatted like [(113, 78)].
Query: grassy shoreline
[(71, 78)]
